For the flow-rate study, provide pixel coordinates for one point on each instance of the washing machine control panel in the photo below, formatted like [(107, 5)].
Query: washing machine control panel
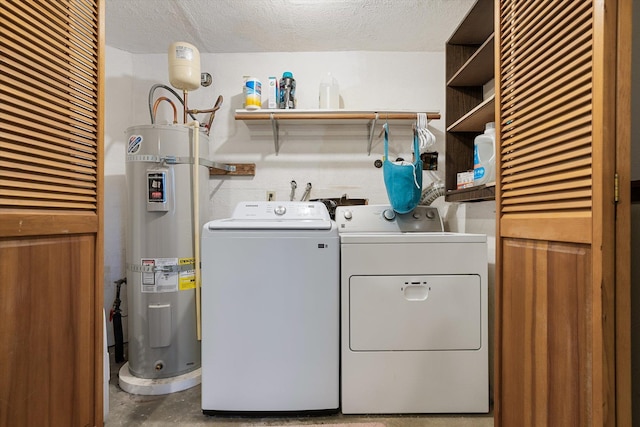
[(263, 210), (382, 219)]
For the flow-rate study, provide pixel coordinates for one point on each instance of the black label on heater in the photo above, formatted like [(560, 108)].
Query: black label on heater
[(156, 187)]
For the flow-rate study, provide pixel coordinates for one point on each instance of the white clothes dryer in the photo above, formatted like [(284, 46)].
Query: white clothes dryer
[(414, 335), (270, 310)]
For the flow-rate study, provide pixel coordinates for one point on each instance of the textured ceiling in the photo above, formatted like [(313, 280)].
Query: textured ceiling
[(225, 26)]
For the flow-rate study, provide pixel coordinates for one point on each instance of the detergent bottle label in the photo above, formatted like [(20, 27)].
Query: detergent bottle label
[(483, 159), (478, 170)]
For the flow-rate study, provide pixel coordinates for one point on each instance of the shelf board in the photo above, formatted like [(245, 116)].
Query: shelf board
[(331, 116), (478, 70), (472, 194), (475, 119), (476, 26)]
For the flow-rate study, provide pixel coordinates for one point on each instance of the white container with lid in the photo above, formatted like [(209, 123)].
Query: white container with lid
[(484, 156)]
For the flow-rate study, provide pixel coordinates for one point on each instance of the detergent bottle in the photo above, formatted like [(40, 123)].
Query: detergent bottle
[(484, 156)]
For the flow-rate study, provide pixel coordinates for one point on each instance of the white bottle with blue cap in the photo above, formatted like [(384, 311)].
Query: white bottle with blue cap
[(484, 156)]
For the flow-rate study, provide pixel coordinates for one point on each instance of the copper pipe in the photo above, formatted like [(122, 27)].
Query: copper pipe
[(209, 110), (155, 108), (212, 116), (186, 110)]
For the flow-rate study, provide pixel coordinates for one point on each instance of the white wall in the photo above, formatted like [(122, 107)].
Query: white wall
[(118, 111), (333, 158)]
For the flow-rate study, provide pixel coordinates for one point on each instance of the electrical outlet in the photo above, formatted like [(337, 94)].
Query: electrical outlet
[(271, 195)]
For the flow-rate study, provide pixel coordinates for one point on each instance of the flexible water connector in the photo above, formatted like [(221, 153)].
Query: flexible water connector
[(168, 88), (155, 109)]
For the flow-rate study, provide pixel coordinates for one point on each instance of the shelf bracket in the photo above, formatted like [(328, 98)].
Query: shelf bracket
[(216, 165), (371, 126), (276, 132)]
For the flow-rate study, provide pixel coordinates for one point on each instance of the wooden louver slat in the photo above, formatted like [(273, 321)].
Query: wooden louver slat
[(545, 107), (38, 105), (44, 153), (51, 104), (49, 111), (62, 91), (28, 179), (32, 53), (54, 44), (543, 180), (42, 158), (20, 130)]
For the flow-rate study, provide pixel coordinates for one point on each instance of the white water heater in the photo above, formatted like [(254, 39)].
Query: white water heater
[(161, 277)]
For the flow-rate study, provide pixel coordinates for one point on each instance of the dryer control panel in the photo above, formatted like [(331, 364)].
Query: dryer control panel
[(382, 219)]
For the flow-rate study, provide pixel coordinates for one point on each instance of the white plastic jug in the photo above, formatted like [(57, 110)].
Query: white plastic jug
[(484, 156)]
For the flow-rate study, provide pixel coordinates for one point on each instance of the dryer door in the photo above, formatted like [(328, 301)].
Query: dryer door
[(414, 313)]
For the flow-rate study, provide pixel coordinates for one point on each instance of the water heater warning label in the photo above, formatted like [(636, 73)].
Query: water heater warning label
[(187, 279), (148, 279), (163, 279)]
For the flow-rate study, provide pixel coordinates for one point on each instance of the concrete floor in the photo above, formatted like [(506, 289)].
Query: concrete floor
[(183, 409)]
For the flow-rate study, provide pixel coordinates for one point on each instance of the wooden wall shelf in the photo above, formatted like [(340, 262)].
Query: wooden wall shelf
[(333, 117), (241, 169)]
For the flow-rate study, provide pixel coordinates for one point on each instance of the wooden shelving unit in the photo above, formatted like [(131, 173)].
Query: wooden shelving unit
[(306, 117), (469, 62)]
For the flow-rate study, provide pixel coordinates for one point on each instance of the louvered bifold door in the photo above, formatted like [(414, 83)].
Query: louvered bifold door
[(555, 128), (49, 109), (546, 117), (51, 238)]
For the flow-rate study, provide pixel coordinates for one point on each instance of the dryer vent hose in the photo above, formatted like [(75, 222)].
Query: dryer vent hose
[(432, 192)]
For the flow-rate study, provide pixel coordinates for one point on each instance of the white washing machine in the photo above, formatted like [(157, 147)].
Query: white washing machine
[(414, 336), (270, 310)]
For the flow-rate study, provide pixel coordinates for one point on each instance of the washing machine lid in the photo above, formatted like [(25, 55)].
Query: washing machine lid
[(276, 215)]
